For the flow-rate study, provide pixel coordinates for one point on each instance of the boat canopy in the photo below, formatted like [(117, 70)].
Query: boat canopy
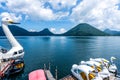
[(90, 63), (37, 75), (85, 68)]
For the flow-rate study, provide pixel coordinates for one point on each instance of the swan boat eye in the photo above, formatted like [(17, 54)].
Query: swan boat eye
[(7, 19)]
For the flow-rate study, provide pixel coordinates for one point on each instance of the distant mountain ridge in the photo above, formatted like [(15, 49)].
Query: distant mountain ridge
[(18, 31), (84, 29), (112, 32)]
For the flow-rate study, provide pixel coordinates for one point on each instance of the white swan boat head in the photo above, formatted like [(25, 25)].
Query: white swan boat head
[(109, 64), (112, 67), (103, 71), (94, 69), (17, 50), (84, 72)]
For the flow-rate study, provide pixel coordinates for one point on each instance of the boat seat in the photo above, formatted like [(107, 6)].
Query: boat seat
[(83, 76)]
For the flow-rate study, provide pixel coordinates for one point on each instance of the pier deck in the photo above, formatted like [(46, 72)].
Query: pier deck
[(69, 77), (49, 75)]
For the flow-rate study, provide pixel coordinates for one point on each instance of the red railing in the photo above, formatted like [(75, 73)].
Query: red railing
[(5, 68)]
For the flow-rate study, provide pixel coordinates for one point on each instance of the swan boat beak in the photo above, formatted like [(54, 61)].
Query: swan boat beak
[(11, 22)]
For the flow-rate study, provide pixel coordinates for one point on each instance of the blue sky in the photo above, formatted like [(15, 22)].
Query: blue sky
[(61, 15)]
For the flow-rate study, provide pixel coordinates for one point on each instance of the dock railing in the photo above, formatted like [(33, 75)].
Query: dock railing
[(48, 72)]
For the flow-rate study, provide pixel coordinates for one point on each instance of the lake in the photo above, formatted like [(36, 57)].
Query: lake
[(63, 52)]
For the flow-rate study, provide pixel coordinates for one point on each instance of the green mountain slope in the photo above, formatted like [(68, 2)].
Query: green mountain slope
[(84, 29)]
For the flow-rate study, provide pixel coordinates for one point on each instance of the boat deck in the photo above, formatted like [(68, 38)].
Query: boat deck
[(4, 66), (112, 78)]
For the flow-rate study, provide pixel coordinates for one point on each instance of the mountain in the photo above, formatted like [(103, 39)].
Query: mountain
[(17, 31), (112, 32), (84, 29), (46, 32), (79, 30)]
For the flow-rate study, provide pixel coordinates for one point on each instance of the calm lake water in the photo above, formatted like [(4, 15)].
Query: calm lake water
[(63, 52)]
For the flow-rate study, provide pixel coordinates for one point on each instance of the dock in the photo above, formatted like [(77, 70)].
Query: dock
[(4, 66), (69, 77), (49, 75)]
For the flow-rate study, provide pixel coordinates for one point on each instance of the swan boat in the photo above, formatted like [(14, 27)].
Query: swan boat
[(17, 50), (95, 69)]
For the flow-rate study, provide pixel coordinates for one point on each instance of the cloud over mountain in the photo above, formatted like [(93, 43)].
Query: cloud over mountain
[(100, 13), (11, 15), (34, 9)]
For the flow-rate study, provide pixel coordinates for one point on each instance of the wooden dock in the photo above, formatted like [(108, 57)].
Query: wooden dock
[(69, 77), (49, 75)]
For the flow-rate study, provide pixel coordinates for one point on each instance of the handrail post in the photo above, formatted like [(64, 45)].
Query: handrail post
[(44, 67), (49, 65), (56, 73)]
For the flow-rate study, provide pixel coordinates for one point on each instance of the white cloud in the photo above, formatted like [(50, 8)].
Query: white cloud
[(32, 30), (53, 30), (59, 31), (60, 4), (62, 30), (34, 9), (62, 15), (5, 14), (100, 13), (12, 16)]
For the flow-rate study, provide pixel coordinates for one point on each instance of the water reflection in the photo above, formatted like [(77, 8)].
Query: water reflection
[(63, 51)]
